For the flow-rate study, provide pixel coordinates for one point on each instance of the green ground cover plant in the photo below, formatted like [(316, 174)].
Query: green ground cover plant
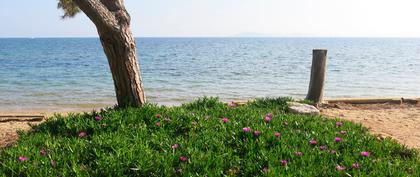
[(204, 138)]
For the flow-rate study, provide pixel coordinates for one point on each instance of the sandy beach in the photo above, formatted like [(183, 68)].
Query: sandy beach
[(8, 131), (400, 122), (9, 128)]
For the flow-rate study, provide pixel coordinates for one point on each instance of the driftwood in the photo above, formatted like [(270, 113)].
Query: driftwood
[(374, 100), (21, 118)]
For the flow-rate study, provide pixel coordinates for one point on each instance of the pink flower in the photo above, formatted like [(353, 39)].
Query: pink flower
[(337, 139), (277, 134), (23, 158), (158, 124), (339, 124), (225, 120), (175, 146), (365, 154), (267, 119), (269, 115), (340, 168), (82, 134), (283, 162), (323, 147), (299, 154), (43, 152), (313, 142), (232, 104), (257, 133), (333, 151), (342, 132), (98, 118), (246, 129), (158, 116), (355, 165), (183, 158)]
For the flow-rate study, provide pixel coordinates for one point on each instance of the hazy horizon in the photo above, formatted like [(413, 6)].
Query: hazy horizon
[(233, 36), (220, 18)]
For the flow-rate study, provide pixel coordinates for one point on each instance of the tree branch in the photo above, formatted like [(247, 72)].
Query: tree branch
[(99, 13), (113, 5), (117, 7)]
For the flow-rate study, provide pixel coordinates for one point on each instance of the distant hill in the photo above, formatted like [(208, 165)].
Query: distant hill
[(250, 34)]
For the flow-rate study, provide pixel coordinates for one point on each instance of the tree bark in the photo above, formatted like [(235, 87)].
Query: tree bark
[(113, 25)]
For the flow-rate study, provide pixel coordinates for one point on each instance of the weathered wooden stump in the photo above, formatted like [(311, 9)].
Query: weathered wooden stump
[(316, 84)]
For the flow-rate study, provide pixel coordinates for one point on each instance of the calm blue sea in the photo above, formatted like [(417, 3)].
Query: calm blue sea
[(73, 72)]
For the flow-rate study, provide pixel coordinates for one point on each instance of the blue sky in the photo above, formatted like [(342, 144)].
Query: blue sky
[(210, 18)]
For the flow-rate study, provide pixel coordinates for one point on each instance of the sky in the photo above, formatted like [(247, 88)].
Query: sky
[(225, 18)]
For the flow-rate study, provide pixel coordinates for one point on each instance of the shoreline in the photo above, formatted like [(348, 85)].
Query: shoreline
[(49, 111), (81, 108)]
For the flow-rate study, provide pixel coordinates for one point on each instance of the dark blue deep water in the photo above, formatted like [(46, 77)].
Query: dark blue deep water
[(73, 73)]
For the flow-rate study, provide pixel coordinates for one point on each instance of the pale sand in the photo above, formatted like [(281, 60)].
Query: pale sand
[(8, 132), (8, 129), (400, 122)]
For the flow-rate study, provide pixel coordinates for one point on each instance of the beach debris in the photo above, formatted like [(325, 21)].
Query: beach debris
[(299, 108)]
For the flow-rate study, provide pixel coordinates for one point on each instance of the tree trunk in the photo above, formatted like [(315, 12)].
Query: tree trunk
[(113, 24)]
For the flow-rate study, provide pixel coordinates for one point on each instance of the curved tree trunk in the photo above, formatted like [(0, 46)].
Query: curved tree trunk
[(113, 24)]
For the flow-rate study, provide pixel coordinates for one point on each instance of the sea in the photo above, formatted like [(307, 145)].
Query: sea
[(72, 73)]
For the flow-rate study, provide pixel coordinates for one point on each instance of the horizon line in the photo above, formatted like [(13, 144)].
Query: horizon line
[(46, 37)]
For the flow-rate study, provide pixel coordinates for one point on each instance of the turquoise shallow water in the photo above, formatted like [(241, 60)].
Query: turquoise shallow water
[(73, 72)]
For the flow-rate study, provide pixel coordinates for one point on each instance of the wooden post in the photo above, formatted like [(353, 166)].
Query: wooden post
[(316, 85)]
